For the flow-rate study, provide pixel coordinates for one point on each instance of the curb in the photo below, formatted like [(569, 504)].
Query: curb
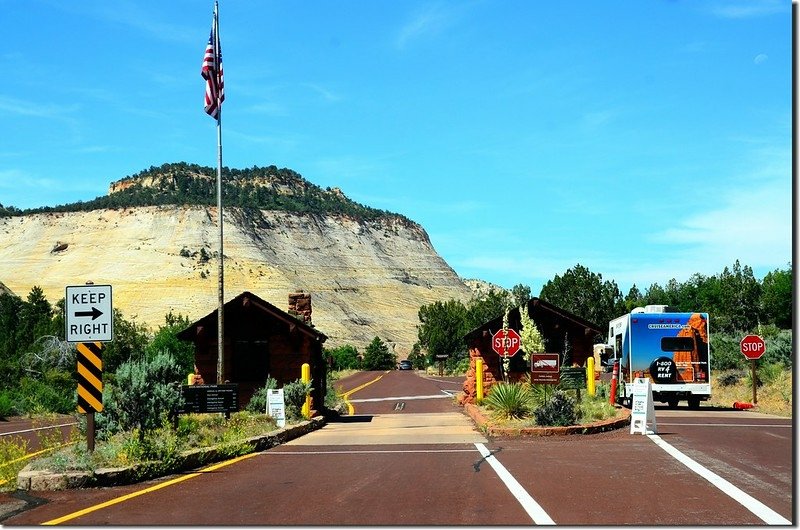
[(46, 480), (485, 425)]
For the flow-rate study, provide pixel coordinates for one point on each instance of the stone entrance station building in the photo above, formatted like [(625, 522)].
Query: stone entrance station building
[(260, 341), (558, 327)]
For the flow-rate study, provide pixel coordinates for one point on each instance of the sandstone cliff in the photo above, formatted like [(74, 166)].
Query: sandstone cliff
[(367, 277)]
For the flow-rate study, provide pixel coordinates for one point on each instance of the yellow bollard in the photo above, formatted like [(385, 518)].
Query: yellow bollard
[(305, 376), (590, 376), (479, 379)]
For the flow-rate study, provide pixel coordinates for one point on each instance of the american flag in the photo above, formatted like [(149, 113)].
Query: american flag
[(212, 71)]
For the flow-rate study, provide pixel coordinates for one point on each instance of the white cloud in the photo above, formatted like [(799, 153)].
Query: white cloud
[(430, 21), (749, 8), (133, 15), (595, 120), (39, 110), (16, 180), (753, 225), (326, 94)]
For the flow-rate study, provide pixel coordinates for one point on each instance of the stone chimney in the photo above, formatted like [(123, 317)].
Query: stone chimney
[(300, 306)]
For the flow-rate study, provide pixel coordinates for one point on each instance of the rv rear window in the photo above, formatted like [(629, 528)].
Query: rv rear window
[(677, 343)]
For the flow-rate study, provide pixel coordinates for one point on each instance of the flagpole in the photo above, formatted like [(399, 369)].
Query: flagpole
[(221, 289)]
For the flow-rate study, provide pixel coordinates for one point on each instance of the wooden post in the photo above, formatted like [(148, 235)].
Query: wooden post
[(90, 431), (753, 377)]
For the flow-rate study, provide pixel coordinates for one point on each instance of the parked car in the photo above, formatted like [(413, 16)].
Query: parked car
[(405, 364)]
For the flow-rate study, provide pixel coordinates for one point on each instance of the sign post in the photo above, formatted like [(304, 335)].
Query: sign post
[(506, 343), (642, 409), (276, 407), (753, 347), (88, 318)]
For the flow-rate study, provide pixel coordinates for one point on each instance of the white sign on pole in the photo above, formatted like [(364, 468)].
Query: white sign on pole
[(276, 407), (642, 409), (88, 313)]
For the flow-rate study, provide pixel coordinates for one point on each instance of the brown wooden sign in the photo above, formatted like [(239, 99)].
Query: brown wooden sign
[(545, 368)]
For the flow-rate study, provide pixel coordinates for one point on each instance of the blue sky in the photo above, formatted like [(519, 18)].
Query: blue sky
[(645, 140)]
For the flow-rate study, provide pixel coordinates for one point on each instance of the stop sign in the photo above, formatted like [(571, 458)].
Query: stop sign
[(506, 344), (753, 347)]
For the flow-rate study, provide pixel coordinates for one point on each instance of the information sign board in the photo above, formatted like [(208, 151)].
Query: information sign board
[(573, 378), (642, 409), (276, 406), (210, 398)]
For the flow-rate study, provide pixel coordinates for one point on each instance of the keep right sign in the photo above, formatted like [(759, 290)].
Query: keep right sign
[(753, 347)]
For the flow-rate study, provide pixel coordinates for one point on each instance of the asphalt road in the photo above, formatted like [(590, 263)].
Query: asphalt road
[(409, 458), (36, 433)]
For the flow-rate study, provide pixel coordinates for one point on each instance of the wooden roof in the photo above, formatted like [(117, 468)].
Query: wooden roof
[(547, 316), (248, 300)]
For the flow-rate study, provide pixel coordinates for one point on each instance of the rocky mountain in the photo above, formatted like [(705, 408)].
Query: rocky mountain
[(154, 238)]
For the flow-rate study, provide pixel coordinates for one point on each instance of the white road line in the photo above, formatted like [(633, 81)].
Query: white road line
[(38, 429), (760, 425), (536, 512), (443, 381), (400, 398), (761, 510)]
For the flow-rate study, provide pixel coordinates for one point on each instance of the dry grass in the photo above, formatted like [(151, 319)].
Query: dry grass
[(774, 396)]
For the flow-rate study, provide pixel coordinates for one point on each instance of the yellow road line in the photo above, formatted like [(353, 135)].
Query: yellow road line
[(31, 455), (350, 409), (129, 496)]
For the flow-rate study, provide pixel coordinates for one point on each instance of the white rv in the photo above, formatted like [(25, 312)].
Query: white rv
[(670, 348)]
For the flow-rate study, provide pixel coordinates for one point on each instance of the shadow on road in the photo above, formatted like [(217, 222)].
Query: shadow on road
[(358, 418)]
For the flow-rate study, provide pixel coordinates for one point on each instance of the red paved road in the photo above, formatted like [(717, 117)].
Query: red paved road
[(33, 432), (606, 479)]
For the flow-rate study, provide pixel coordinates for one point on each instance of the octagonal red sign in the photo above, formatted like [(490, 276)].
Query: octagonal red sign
[(506, 344), (753, 347)]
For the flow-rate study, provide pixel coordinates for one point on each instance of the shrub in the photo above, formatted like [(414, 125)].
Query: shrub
[(344, 357), (779, 348), (294, 396), (731, 378), (510, 400), (725, 352), (258, 402), (559, 411), (36, 397), (595, 408), (11, 453), (146, 393), (333, 400), (459, 367), (8, 405), (540, 393), (166, 339), (769, 373)]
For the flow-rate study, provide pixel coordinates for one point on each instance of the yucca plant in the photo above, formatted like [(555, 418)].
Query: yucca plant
[(510, 400), (560, 410)]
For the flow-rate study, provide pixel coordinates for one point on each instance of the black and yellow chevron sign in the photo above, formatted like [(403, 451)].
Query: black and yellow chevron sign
[(90, 377)]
